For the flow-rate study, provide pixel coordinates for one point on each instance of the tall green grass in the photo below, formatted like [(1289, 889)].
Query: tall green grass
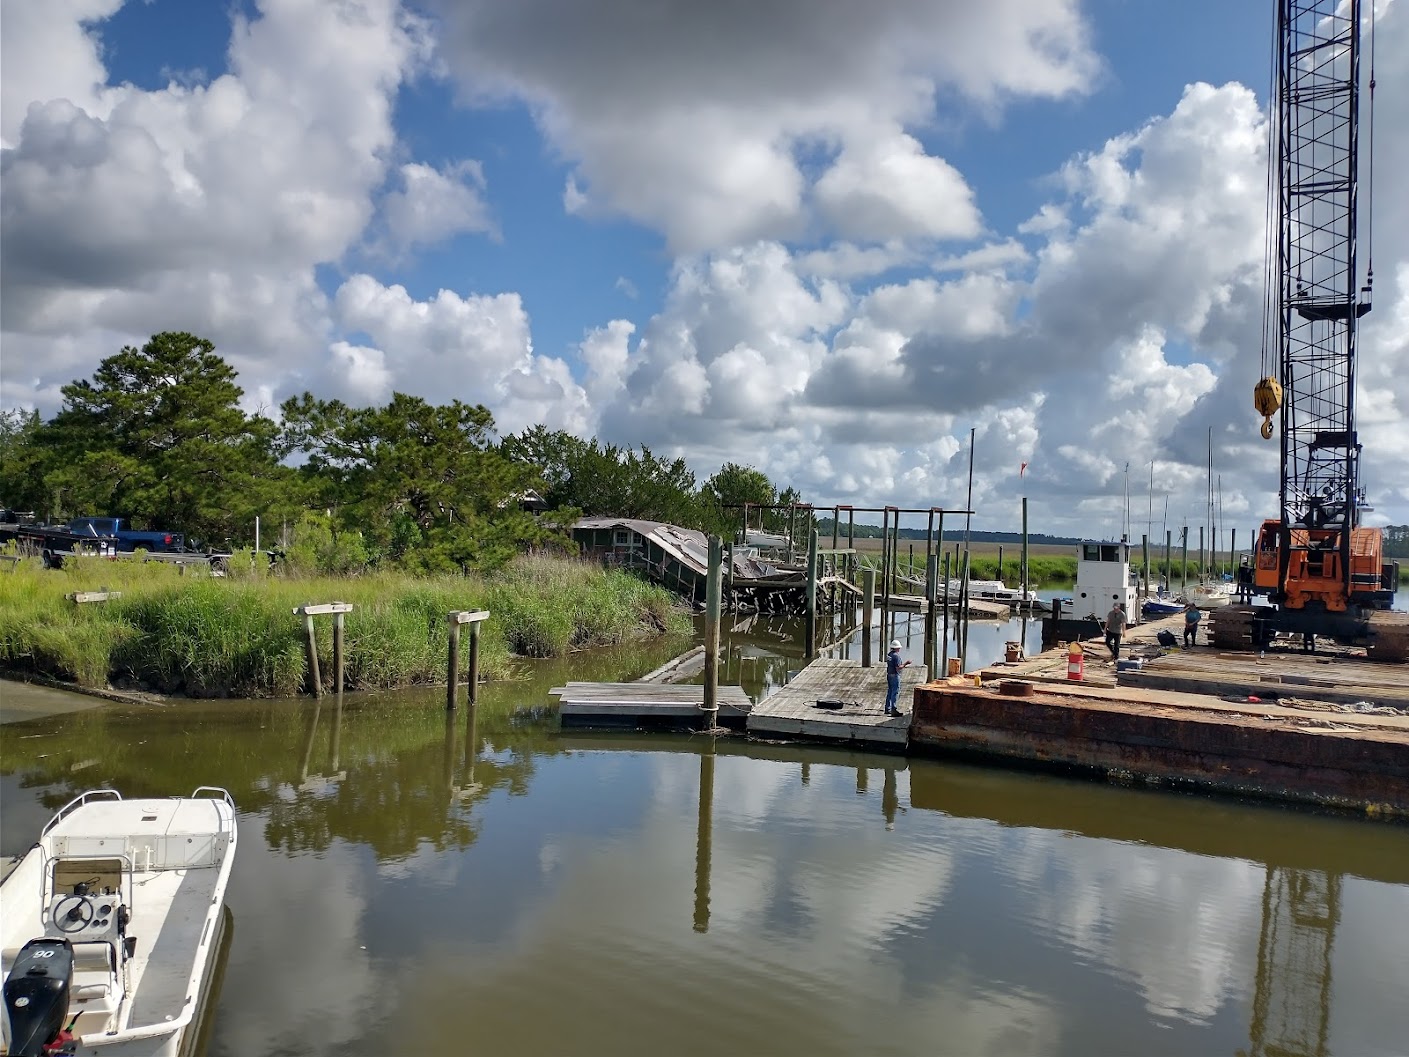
[(238, 635)]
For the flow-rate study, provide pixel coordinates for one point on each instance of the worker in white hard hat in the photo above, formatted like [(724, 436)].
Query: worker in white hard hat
[(893, 666)]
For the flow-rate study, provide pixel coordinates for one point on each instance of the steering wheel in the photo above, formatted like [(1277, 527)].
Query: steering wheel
[(73, 913)]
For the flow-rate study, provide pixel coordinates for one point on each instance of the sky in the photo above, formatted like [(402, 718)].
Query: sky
[(827, 239)]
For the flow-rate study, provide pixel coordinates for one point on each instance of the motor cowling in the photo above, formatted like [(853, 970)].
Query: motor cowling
[(37, 995)]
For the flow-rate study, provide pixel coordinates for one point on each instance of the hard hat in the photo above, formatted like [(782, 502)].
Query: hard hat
[(895, 644)]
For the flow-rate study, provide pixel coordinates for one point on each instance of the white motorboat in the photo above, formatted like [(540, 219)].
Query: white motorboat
[(109, 925), (993, 591), (1209, 595)]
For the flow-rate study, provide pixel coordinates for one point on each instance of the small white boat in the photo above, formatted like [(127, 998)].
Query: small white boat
[(109, 925), (993, 591), (1209, 595)]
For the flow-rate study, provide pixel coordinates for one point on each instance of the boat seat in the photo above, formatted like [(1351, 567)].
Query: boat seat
[(94, 957), (87, 957)]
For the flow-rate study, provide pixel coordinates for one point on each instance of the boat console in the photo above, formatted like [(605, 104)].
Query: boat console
[(76, 965)]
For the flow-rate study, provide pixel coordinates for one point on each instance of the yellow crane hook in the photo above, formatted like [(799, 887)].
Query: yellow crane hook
[(1267, 398)]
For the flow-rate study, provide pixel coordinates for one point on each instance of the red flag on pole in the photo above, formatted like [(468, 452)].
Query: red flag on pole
[(1021, 469)]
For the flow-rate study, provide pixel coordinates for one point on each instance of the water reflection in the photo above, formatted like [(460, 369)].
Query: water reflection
[(704, 830), (440, 881), (1292, 1006)]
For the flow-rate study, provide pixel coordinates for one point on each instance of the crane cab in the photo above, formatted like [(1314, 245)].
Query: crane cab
[(1315, 572)]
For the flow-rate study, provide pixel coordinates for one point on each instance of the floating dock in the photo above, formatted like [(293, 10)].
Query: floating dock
[(852, 710), (640, 704)]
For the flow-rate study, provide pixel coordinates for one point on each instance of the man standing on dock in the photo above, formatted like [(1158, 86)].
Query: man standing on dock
[(1116, 621), (893, 666)]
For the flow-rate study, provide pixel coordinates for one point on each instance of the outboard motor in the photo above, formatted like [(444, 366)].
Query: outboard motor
[(37, 994)]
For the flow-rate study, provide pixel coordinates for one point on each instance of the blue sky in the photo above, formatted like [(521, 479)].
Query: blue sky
[(788, 235)]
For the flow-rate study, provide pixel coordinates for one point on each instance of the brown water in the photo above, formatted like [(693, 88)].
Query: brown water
[(407, 885)]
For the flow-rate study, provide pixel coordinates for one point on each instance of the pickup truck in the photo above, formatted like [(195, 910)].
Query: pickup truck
[(124, 538)]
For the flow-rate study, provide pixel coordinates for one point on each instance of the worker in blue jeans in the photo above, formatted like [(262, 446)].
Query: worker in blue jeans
[(893, 666)]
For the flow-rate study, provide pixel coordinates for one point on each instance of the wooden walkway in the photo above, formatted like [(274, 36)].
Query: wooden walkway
[(654, 704), (792, 711)]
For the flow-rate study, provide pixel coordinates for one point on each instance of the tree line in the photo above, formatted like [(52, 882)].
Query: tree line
[(160, 435)]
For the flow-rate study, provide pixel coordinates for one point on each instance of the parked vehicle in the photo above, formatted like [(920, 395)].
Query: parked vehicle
[(102, 537), (55, 543), (127, 539)]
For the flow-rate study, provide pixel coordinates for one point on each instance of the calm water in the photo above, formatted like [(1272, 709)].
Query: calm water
[(488, 885)]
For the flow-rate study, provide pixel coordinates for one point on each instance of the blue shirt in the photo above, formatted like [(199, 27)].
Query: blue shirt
[(1192, 616), (893, 663)]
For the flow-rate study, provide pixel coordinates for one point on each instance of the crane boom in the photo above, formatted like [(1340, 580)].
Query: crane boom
[(1317, 284)]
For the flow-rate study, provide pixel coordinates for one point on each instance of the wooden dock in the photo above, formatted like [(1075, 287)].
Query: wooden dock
[(792, 712), (653, 704)]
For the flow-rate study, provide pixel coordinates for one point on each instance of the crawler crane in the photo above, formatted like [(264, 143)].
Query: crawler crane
[(1323, 572)]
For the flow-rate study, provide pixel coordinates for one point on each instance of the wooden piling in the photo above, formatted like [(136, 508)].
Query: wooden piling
[(1023, 581), (851, 543), (729, 575), (711, 643), (1184, 564), (885, 557), (964, 612), (1168, 567), (1023, 569), (811, 631), (929, 538), (1145, 558), (311, 643), (931, 595), (868, 613), (337, 653), (452, 674), (894, 557), (472, 675), (456, 619), (944, 618)]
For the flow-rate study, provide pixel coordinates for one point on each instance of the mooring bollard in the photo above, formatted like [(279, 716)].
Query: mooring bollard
[(336, 610), (472, 617)]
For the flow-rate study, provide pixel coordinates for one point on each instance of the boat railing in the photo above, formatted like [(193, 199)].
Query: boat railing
[(221, 793), (77, 802)]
